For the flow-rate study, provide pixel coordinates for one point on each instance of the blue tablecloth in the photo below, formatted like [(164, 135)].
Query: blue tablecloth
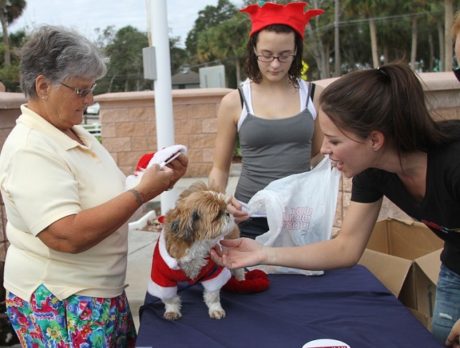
[(349, 305)]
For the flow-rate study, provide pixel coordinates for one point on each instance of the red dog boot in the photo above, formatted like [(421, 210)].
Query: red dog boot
[(255, 281)]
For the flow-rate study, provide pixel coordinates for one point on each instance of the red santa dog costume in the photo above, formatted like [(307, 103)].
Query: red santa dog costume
[(166, 274)]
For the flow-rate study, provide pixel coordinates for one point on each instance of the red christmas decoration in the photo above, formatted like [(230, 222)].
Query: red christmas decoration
[(292, 15)]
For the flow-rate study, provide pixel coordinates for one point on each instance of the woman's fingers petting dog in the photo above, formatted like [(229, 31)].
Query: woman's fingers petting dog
[(240, 252), (216, 255), (236, 209)]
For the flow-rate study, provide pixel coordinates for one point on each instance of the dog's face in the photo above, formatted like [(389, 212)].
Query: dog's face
[(200, 214)]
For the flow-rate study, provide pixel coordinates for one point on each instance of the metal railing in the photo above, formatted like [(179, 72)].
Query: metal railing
[(93, 128)]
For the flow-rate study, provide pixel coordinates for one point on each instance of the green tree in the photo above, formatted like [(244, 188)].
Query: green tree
[(178, 55), (105, 36), (319, 40), (435, 15), (372, 32), (9, 74), (448, 20), (209, 17), (123, 49), (216, 43), (9, 11), (370, 9), (125, 66)]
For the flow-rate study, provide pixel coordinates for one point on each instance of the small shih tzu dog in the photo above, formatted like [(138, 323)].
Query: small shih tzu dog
[(196, 224)]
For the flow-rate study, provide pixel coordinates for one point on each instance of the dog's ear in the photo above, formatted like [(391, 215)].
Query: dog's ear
[(189, 233), (175, 226), (186, 232)]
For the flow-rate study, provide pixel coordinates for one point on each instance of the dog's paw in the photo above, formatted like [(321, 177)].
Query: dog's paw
[(238, 273), (172, 315), (217, 314)]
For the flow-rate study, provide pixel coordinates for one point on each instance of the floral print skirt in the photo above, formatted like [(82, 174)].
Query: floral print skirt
[(76, 322)]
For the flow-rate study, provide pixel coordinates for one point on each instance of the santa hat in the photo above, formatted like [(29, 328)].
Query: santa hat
[(292, 15), (144, 161), (161, 157)]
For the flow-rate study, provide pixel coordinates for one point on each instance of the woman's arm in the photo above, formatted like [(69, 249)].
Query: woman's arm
[(227, 119), (79, 232), (317, 139), (343, 251)]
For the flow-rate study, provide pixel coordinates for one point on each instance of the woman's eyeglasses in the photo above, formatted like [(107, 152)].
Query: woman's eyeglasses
[(456, 68), (81, 92), (268, 58)]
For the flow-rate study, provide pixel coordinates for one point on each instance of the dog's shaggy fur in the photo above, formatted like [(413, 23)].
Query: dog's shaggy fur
[(196, 224)]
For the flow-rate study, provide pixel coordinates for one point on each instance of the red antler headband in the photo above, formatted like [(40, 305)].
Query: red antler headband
[(292, 15)]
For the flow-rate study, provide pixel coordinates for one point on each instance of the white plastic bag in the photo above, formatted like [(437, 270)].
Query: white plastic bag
[(300, 209)]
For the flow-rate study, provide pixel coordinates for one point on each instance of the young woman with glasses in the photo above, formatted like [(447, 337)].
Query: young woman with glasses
[(271, 113)]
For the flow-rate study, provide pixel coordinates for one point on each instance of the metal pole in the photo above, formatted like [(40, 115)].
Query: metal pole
[(337, 68), (162, 85)]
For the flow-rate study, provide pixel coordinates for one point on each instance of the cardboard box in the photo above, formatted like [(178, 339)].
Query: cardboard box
[(404, 256), (426, 270)]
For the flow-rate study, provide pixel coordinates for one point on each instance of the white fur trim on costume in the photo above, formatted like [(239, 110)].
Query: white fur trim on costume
[(168, 259), (217, 282), (161, 291)]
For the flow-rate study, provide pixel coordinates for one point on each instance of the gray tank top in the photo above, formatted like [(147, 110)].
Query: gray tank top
[(272, 148)]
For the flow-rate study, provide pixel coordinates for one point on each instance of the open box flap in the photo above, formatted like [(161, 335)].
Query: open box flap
[(390, 270), (429, 264)]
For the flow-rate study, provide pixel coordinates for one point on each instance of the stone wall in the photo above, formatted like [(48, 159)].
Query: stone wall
[(129, 126), (9, 112)]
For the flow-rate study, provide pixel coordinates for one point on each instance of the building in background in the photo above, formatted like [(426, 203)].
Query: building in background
[(185, 78)]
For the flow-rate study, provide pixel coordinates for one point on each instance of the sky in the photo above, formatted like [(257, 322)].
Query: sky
[(87, 15)]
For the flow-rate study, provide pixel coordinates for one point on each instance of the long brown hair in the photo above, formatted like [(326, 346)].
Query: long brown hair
[(252, 67), (389, 99)]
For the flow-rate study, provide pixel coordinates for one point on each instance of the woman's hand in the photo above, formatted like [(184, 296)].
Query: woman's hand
[(156, 180), (453, 340), (241, 252), (179, 167), (236, 209)]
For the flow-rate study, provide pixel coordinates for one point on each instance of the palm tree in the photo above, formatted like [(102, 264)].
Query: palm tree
[(337, 70), (9, 11), (448, 19), (216, 43), (319, 37), (370, 9)]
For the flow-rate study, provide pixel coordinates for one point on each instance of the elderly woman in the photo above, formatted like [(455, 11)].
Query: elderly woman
[(66, 204)]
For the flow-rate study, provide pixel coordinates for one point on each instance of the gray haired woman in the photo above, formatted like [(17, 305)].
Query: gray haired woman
[(66, 204)]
